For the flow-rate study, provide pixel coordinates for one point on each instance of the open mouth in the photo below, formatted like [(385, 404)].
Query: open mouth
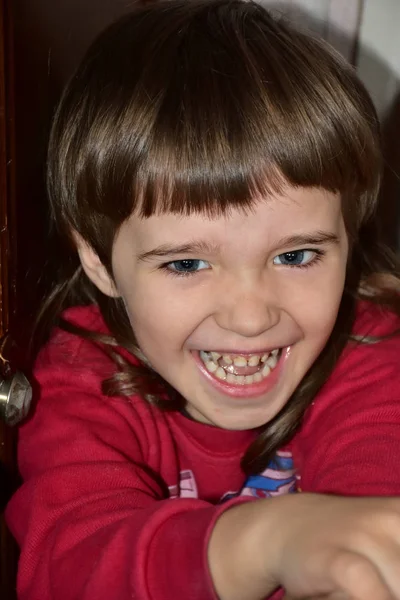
[(238, 369)]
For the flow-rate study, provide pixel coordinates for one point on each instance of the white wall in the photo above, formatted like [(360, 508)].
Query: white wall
[(378, 60), (378, 55)]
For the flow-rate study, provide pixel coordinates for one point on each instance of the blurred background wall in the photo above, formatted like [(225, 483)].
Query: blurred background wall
[(367, 33)]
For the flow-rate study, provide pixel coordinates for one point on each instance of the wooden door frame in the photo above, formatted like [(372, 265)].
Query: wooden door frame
[(7, 170), (8, 261)]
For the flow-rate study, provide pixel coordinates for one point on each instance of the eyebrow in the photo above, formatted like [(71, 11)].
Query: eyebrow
[(194, 247), (316, 238)]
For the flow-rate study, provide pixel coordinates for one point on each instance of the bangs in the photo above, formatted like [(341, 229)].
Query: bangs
[(208, 106)]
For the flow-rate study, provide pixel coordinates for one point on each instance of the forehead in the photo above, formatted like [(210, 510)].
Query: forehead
[(296, 210)]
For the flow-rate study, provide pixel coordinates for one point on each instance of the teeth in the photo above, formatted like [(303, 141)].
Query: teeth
[(253, 361), (265, 371), (211, 366), (240, 361), (268, 363), (235, 379), (220, 373)]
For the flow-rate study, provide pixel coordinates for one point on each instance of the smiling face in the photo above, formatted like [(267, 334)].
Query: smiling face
[(233, 311)]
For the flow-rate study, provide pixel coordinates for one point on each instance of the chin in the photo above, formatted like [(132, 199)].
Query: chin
[(241, 423)]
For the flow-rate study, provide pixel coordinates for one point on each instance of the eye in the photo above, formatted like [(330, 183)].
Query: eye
[(298, 258), (186, 266)]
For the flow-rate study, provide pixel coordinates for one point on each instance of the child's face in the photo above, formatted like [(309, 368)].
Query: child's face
[(268, 281)]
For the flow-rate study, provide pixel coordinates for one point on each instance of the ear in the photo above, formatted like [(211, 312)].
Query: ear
[(94, 268)]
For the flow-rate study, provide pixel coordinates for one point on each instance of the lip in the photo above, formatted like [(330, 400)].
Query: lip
[(244, 391)]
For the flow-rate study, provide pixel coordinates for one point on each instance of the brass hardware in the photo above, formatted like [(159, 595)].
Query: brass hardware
[(15, 398), (15, 391)]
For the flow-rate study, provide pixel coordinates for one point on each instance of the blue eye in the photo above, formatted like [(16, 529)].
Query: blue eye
[(297, 258), (187, 266)]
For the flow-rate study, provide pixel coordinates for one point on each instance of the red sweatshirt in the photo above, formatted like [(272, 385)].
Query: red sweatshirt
[(119, 498)]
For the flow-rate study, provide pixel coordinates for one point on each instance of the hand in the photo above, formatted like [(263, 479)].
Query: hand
[(341, 548), (315, 546)]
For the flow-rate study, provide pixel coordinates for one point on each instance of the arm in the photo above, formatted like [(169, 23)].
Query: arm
[(92, 519)]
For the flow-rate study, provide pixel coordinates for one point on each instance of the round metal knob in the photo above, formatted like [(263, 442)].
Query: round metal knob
[(15, 398)]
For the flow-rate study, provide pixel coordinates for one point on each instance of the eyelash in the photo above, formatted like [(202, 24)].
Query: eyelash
[(166, 267), (319, 254)]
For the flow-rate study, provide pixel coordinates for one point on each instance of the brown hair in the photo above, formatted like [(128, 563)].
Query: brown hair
[(197, 107)]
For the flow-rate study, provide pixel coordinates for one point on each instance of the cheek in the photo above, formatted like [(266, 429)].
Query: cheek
[(317, 307), (161, 323)]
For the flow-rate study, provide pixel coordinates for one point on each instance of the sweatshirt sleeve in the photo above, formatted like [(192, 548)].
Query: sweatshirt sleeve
[(92, 519), (350, 441)]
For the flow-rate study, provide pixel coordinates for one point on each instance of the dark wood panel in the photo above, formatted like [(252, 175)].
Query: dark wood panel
[(49, 40), (8, 258), (6, 169)]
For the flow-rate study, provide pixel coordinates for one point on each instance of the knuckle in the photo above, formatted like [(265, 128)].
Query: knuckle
[(353, 567), (353, 570), (358, 578)]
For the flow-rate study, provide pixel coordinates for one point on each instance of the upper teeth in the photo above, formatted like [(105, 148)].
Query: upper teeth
[(225, 369), (252, 360)]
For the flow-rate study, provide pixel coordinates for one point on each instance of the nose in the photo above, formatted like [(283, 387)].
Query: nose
[(247, 308)]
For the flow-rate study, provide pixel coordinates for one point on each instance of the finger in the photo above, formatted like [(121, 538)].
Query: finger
[(386, 555), (358, 578)]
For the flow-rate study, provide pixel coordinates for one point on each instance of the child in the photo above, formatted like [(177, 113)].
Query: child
[(229, 332)]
